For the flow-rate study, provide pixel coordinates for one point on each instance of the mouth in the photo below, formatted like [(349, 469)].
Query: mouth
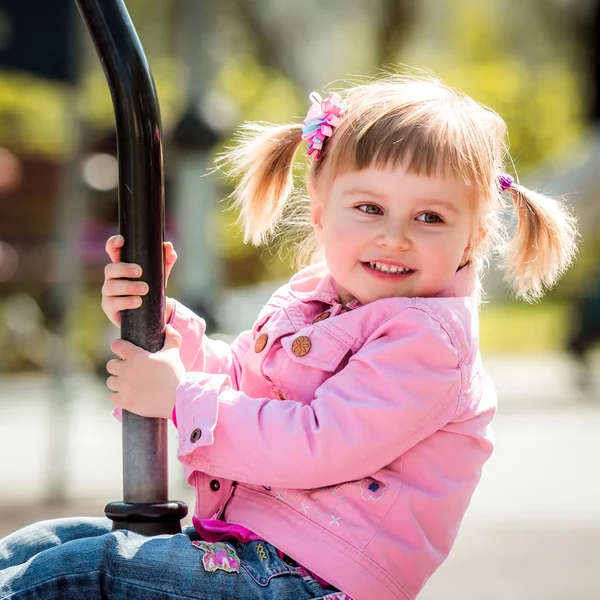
[(385, 269)]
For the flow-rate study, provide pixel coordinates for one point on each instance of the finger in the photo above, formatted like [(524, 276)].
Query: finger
[(113, 383), (122, 270), (116, 399), (113, 247), (123, 349), (114, 366), (124, 287), (170, 254), (112, 307), (170, 259), (172, 338), (121, 400)]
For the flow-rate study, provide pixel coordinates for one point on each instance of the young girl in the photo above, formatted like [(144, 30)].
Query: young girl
[(334, 448)]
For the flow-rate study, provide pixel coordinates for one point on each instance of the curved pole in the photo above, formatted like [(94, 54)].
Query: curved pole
[(145, 508)]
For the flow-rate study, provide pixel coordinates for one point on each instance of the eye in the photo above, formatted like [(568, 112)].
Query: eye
[(370, 209), (429, 217)]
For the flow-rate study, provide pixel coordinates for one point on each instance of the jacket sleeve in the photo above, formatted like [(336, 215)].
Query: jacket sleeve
[(199, 353), (399, 388)]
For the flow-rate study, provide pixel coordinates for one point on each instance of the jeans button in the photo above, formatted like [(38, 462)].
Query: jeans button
[(196, 435), (215, 486)]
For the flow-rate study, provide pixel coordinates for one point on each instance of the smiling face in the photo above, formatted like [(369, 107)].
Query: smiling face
[(392, 233)]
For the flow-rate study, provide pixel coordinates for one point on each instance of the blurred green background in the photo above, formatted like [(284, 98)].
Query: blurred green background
[(534, 525), (218, 64)]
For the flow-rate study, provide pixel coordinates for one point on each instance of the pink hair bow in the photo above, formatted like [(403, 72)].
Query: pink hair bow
[(322, 117)]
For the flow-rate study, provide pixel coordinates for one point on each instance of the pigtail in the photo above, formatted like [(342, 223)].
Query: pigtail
[(543, 245), (263, 158)]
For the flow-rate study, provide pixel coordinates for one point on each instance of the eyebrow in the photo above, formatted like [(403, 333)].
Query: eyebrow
[(428, 202), (447, 205), (362, 192)]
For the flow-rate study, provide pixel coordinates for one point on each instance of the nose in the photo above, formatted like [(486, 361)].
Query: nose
[(395, 236)]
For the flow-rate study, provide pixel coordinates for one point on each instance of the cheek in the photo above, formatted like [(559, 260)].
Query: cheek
[(446, 253), (340, 246), (344, 228), (341, 238)]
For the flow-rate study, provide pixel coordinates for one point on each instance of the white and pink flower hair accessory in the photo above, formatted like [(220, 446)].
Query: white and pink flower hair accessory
[(322, 117)]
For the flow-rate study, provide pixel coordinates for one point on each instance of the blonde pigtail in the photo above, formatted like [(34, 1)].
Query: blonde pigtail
[(263, 158), (543, 245)]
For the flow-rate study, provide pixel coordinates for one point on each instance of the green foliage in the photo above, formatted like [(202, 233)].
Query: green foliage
[(96, 105), (260, 94), (518, 328), (506, 60), (514, 67), (36, 116), (531, 84), (33, 115)]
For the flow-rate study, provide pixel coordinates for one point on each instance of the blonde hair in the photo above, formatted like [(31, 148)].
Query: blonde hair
[(423, 124)]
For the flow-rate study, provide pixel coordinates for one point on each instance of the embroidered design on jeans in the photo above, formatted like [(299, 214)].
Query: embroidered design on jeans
[(262, 553), (336, 596), (218, 556)]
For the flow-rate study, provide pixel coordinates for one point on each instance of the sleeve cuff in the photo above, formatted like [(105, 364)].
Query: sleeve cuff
[(197, 409)]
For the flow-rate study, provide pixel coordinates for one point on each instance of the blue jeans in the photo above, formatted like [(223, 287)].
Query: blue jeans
[(83, 558)]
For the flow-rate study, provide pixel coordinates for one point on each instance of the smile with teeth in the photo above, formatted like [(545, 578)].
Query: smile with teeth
[(389, 268)]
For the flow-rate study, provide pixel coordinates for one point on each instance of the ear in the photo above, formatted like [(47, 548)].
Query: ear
[(316, 212), (465, 257), (473, 243)]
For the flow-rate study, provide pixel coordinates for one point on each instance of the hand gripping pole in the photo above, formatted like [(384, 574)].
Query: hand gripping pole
[(146, 508)]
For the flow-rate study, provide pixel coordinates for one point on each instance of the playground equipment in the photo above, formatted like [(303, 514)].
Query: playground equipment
[(145, 507)]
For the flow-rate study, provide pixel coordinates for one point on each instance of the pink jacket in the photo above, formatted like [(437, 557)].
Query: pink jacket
[(351, 440)]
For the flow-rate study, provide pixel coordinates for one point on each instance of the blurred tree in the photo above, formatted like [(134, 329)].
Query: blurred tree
[(509, 60), (268, 55), (579, 23), (396, 18)]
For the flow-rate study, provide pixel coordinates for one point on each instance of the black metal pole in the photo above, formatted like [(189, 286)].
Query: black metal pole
[(146, 508)]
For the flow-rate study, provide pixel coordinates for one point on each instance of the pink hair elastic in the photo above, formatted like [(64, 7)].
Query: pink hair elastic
[(505, 181)]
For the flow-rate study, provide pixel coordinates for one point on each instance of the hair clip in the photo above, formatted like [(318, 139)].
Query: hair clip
[(322, 117), (505, 181)]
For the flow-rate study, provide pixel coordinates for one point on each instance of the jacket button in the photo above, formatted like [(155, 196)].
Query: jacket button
[(261, 342), (196, 435), (215, 486), (301, 345), (322, 317)]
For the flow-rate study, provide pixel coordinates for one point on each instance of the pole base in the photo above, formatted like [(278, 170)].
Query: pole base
[(147, 518)]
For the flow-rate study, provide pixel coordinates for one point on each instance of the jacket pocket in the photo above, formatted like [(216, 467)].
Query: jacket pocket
[(314, 347)]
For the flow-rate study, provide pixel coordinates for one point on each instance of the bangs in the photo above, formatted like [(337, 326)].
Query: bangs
[(426, 135)]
